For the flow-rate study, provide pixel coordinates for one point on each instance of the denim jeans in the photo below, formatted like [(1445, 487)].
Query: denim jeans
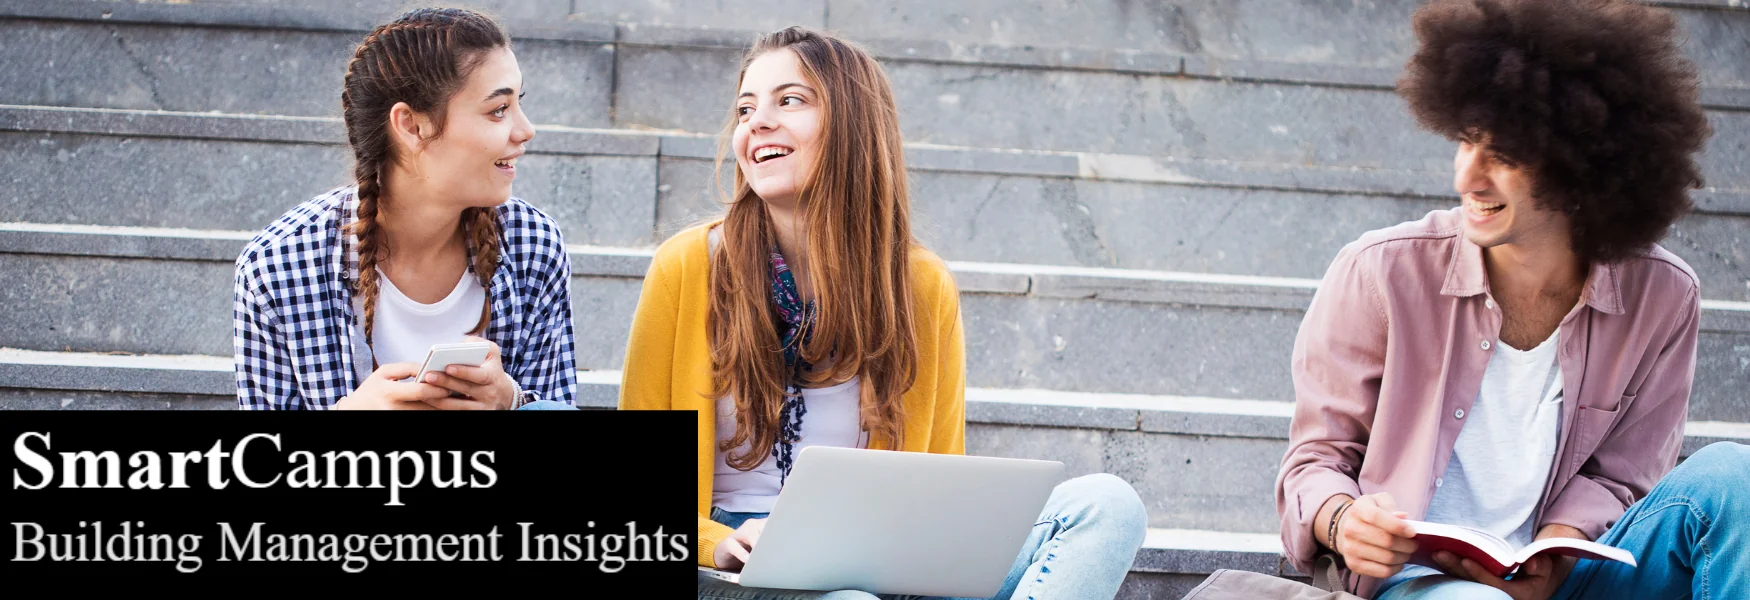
[(1690, 536), (1081, 547), (546, 405)]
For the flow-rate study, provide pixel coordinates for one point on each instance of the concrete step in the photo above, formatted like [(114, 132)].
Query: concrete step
[(1173, 561), (592, 74), (1027, 326), (620, 188), (1198, 463), (1226, 37)]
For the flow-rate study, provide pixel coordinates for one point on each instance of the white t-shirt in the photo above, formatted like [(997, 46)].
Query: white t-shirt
[(405, 329), (833, 419), (1506, 447)]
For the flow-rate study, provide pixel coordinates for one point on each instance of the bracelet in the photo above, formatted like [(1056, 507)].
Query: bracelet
[(1337, 517)]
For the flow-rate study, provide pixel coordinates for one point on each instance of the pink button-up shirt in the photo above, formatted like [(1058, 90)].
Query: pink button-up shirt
[(1391, 354)]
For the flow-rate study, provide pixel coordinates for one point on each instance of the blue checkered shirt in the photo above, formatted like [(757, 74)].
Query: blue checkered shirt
[(293, 322)]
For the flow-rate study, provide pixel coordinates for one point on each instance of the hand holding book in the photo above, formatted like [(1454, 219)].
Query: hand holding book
[(1369, 533), (1536, 579), (1495, 555)]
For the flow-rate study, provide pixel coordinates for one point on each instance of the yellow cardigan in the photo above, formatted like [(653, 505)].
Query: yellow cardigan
[(668, 359)]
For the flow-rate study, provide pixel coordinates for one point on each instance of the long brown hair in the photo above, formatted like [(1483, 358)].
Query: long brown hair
[(854, 207), (421, 58)]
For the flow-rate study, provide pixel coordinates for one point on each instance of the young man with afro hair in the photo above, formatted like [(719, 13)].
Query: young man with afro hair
[(1521, 364)]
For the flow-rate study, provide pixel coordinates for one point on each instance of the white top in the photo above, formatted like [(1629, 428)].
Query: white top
[(833, 418), (406, 330), (1506, 447)]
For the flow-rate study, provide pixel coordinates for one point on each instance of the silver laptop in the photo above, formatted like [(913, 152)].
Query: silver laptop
[(898, 523)]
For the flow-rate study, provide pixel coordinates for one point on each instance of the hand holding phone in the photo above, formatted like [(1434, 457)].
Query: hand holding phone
[(477, 380), (392, 387), (441, 356)]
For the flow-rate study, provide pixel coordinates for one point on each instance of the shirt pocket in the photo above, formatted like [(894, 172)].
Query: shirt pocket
[(1593, 423)]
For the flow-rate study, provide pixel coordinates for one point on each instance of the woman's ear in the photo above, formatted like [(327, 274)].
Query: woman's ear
[(407, 128)]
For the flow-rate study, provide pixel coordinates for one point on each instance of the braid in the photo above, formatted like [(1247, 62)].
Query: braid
[(422, 58), (483, 239), (370, 152), (370, 247)]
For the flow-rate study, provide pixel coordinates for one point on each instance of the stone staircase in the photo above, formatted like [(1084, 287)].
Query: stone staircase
[(1136, 200)]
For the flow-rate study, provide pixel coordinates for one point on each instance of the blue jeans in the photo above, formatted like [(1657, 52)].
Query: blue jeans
[(1690, 535), (1081, 547), (547, 405)]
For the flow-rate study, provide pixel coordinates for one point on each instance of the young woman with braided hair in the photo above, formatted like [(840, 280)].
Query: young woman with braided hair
[(809, 316), (338, 300)]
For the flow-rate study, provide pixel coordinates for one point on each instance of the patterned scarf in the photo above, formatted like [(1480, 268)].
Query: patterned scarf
[(795, 326)]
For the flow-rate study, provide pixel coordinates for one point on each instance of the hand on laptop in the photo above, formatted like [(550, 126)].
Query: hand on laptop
[(731, 553)]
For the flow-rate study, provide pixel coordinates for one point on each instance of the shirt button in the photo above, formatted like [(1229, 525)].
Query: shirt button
[(1458, 414), (1489, 304), (1485, 344), (1439, 481)]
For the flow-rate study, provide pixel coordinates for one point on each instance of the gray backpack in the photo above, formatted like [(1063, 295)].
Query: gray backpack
[(1227, 584)]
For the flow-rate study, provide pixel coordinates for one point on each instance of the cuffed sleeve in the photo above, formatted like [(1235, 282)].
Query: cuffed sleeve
[(711, 533)]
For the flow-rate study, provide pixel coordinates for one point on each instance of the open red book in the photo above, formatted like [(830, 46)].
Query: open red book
[(1495, 554)]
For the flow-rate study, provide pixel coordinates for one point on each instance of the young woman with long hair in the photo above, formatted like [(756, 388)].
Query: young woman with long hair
[(337, 301), (808, 315)]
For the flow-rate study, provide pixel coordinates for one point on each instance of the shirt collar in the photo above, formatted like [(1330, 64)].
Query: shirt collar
[(1467, 277)]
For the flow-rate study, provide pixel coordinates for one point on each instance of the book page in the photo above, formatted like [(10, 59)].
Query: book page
[(1575, 547)]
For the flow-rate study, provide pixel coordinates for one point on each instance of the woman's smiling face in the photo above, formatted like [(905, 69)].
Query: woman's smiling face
[(778, 116)]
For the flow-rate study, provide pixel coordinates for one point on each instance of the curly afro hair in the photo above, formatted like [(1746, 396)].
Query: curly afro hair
[(1592, 96)]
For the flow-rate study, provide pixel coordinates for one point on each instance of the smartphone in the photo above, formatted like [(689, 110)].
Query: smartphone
[(441, 356)]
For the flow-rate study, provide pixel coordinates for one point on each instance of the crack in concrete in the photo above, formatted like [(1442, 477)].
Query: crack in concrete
[(1180, 117), (1182, 27), (151, 79), (978, 76), (1167, 19), (972, 228), (1077, 224), (1197, 247)]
